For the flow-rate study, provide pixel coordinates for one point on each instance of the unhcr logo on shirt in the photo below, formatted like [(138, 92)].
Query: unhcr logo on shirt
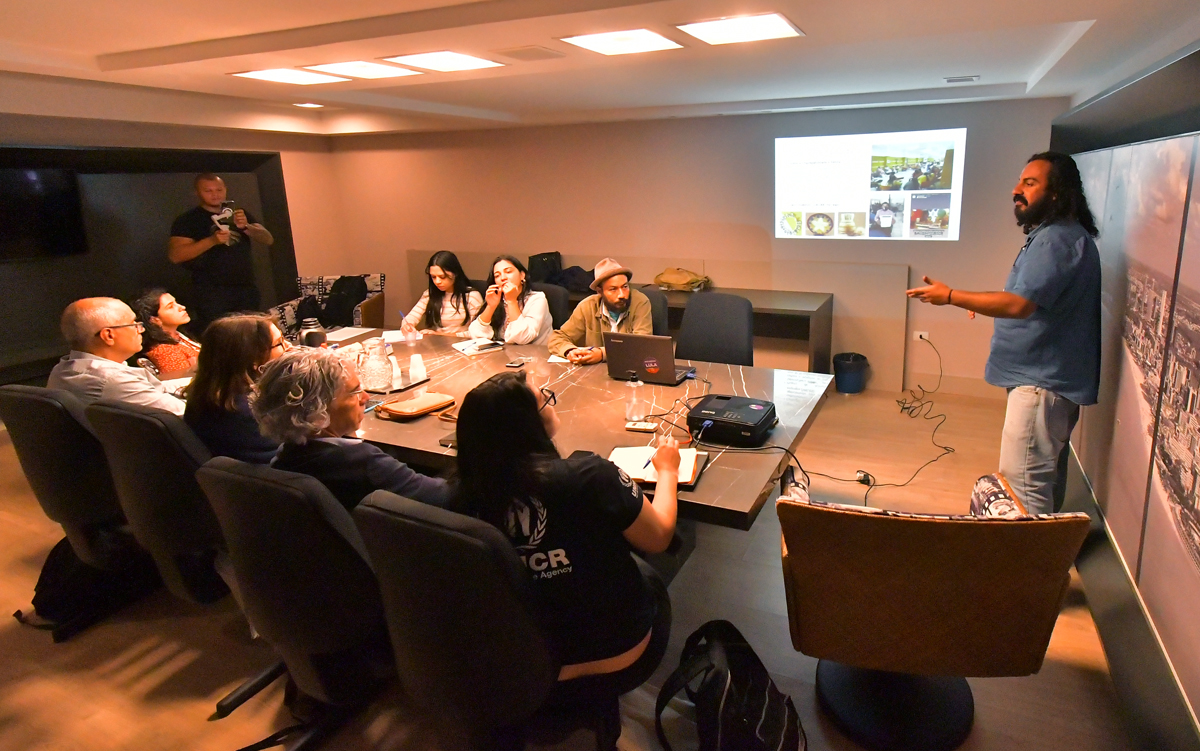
[(527, 522)]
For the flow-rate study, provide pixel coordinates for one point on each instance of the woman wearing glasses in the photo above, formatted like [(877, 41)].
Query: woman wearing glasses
[(164, 344), (575, 523), (218, 410), (312, 402), (512, 312)]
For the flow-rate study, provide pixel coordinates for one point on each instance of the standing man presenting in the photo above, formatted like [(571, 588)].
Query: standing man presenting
[(212, 241), (1046, 344)]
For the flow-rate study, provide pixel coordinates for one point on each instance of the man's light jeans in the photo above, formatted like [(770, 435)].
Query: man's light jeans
[(1033, 449)]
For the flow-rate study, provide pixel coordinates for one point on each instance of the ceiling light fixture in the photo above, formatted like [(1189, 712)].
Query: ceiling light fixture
[(362, 69), (623, 42), (287, 75), (444, 62), (308, 105), (742, 29), (961, 79)]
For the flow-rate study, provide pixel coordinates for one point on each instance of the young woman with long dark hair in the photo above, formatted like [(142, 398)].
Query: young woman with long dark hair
[(575, 523), (218, 409), (450, 304), (163, 343), (512, 312)]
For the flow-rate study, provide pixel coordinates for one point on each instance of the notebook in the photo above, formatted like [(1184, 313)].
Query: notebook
[(632, 459), (473, 347)]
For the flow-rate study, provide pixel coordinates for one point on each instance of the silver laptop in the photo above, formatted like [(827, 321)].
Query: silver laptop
[(652, 358)]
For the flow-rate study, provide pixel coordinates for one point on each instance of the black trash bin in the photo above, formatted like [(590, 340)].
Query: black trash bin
[(849, 372)]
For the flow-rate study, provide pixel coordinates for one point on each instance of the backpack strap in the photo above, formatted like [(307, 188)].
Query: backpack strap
[(676, 682)]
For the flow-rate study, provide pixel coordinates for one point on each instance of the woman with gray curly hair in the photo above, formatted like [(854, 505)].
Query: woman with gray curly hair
[(312, 402)]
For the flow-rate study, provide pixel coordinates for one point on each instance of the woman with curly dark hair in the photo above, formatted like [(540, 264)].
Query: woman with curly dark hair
[(163, 343)]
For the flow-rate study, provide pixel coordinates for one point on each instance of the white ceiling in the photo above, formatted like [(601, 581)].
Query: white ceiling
[(144, 60)]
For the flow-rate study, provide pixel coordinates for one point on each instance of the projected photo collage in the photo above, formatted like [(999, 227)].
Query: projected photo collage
[(870, 186)]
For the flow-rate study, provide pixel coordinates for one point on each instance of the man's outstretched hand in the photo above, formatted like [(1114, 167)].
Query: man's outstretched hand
[(934, 293)]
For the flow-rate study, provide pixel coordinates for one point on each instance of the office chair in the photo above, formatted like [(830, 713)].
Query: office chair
[(899, 608), (307, 584), (658, 309), (154, 456), (443, 576), (558, 299), (717, 328), (68, 472)]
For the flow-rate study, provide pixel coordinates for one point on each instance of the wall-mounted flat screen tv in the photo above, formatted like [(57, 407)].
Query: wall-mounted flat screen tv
[(40, 214)]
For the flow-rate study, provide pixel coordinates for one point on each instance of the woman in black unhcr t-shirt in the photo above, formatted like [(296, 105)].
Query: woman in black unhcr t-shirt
[(605, 614)]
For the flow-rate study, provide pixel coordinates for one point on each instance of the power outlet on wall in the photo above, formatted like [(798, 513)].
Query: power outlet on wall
[(919, 335)]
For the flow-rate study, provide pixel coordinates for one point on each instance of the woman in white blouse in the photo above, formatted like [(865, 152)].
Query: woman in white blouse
[(450, 304), (512, 313)]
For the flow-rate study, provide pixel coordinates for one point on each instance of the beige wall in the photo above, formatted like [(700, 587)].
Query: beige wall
[(695, 189), (650, 193)]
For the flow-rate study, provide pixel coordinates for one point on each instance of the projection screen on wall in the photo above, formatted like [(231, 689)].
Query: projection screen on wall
[(877, 186)]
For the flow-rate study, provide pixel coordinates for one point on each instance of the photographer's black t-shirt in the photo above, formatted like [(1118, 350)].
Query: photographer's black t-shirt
[(590, 597), (220, 265)]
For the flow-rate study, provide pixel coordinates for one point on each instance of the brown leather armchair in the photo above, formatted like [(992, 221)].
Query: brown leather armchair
[(898, 608)]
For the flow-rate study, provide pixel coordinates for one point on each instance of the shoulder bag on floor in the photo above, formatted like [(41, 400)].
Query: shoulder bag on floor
[(738, 707)]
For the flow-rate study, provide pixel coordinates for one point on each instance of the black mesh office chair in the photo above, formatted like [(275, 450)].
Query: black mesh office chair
[(717, 328), (558, 299), (154, 457), (67, 470), (306, 581), (443, 576), (658, 309)]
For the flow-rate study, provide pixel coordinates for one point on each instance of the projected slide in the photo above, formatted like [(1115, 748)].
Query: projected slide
[(888, 186)]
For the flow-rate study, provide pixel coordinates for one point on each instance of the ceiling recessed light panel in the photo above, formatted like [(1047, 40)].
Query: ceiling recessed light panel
[(309, 105), (741, 29), (360, 69), (623, 42), (287, 75), (444, 62)]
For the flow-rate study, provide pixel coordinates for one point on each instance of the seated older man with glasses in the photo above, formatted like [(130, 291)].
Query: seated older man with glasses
[(311, 401), (103, 333)]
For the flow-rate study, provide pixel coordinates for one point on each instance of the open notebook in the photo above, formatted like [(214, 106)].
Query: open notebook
[(632, 459)]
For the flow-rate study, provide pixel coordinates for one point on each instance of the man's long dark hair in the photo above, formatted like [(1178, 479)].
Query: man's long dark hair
[(146, 308), (498, 316), (1064, 190), (503, 448), (448, 263)]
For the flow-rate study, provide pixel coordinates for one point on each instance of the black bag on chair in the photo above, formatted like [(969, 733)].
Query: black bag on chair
[(343, 297), (738, 707), (544, 265)]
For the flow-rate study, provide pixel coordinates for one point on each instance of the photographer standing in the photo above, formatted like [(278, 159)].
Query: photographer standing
[(212, 241)]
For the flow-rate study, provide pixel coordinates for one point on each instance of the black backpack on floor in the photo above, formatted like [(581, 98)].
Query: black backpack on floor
[(70, 595), (738, 707)]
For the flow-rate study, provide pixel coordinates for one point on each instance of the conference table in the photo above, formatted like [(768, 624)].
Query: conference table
[(734, 485)]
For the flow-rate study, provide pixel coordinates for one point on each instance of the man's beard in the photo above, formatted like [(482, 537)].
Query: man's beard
[(620, 306), (1031, 215)]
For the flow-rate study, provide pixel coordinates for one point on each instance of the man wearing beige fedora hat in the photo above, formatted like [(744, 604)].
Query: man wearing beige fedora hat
[(614, 307)]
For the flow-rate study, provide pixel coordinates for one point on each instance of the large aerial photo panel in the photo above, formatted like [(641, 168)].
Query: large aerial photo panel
[(1093, 434), (1143, 220), (1170, 562)]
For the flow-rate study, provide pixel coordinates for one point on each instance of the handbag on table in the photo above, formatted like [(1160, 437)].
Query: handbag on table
[(410, 409)]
